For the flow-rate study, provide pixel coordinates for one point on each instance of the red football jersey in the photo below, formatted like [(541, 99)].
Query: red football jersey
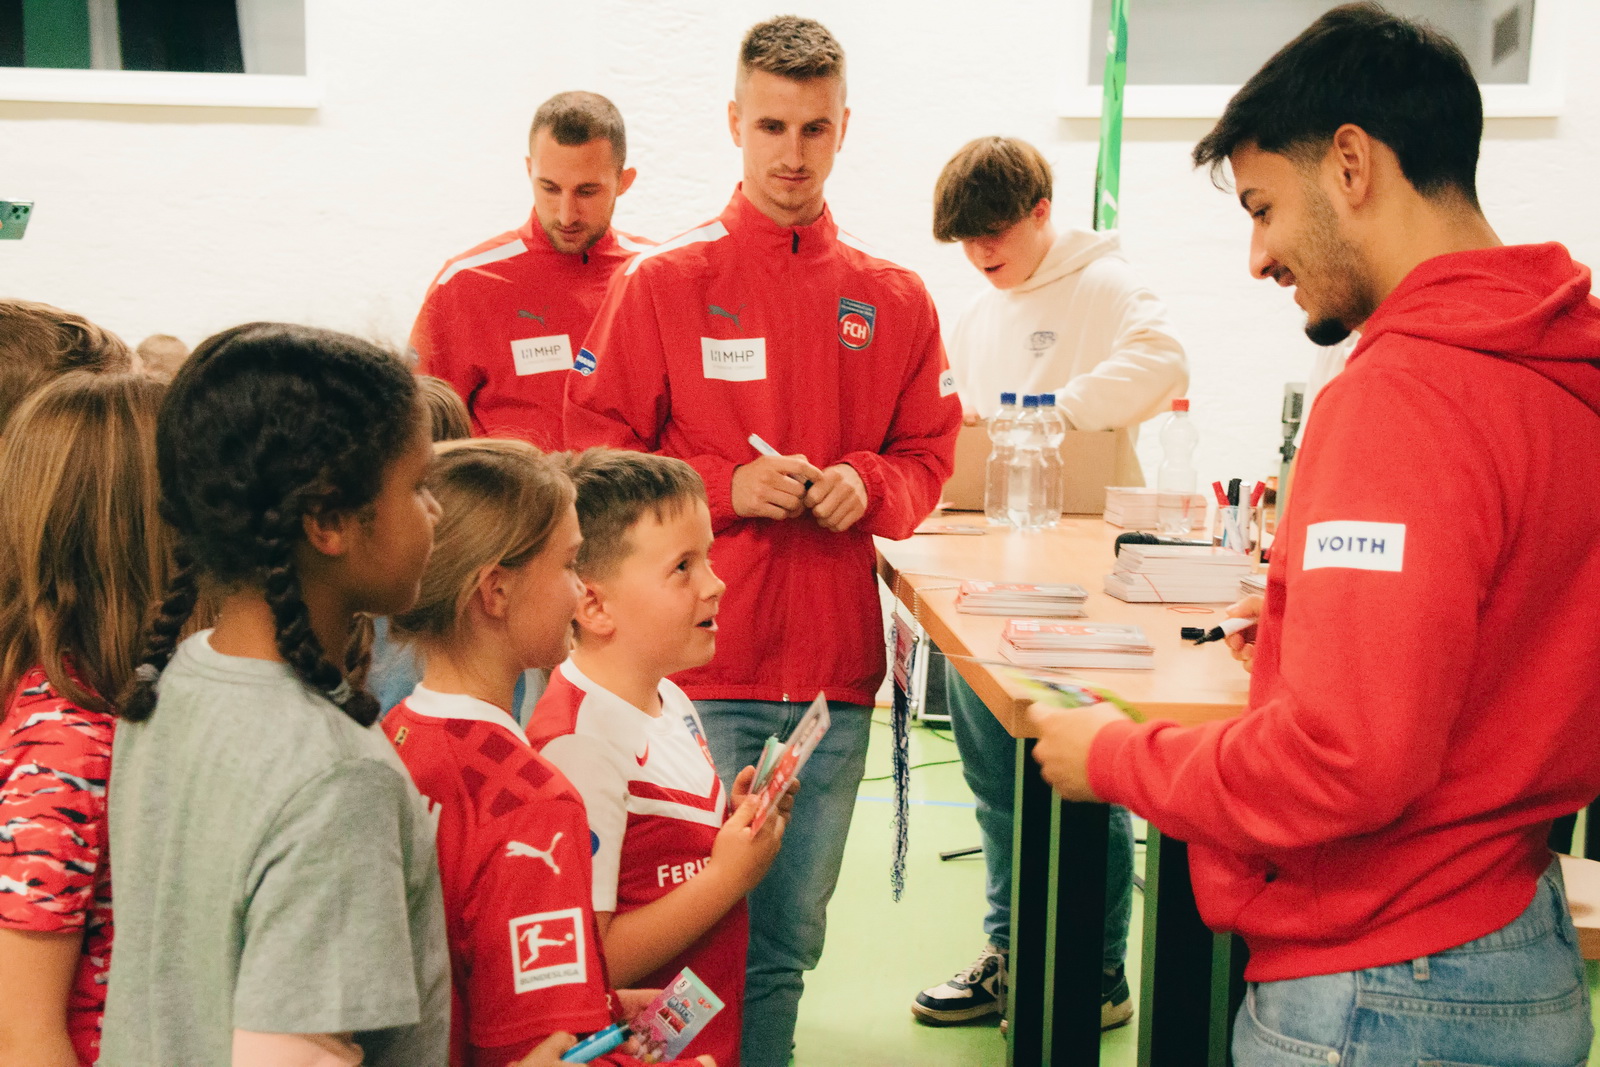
[(503, 321), (55, 758), (655, 805), (514, 852)]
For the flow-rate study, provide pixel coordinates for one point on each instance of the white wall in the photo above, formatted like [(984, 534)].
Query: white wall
[(189, 220)]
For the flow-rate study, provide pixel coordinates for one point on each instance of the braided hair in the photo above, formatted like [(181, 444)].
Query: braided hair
[(267, 423)]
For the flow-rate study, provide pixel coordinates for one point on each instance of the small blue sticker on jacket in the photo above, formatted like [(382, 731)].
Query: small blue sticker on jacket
[(585, 363)]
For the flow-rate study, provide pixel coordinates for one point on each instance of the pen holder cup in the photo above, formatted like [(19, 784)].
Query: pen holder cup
[(1238, 527)]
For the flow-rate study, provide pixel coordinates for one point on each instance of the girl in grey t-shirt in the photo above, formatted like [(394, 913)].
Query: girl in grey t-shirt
[(278, 894)]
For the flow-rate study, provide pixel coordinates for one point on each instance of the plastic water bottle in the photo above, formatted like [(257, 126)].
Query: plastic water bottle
[(994, 475), (1054, 425), (1175, 480), (1024, 484)]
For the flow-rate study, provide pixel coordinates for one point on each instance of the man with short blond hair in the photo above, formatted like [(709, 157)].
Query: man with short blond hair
[(769, 320), (502, 321)]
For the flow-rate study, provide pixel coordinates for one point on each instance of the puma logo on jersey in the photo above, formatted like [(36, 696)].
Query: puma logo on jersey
[(531, 315), (517, 848), (731, 316)]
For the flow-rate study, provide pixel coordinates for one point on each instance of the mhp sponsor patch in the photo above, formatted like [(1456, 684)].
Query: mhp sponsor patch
[(855, 323), (585, 363), (1362, 546)]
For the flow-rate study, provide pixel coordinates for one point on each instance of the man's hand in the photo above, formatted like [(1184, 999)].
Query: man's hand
[(772, 487), (838, 499), (1243, 643), (1062, 751), (970, 417)]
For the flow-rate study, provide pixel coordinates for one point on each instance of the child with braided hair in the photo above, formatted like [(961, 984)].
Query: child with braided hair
[(278, 893)]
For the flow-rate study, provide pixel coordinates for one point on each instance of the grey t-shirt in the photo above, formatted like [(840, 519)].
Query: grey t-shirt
[(274, 870)]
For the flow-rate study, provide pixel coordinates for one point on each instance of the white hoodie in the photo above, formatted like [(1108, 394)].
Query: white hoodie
[(1082, 326)]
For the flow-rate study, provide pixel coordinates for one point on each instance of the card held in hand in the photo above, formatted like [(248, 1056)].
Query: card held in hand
[(796, 750)]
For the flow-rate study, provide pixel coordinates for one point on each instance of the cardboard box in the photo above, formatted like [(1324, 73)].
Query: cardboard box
[(1088, 465)]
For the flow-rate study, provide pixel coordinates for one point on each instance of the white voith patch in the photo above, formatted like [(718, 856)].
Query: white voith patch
[(1363, 546)]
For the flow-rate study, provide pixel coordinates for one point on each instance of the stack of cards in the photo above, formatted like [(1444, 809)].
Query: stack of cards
[(1134, 508), (1076, 644), (1177, 574), (1021, 598)]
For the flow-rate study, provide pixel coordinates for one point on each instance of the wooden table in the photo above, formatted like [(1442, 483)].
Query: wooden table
[(1059, 849)]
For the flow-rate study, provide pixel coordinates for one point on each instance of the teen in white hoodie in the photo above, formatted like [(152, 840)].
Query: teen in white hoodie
[(1064, 314), (1067, 314)]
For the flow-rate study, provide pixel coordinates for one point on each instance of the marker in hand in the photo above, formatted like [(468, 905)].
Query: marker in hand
[(1201, 636), (767, 450)]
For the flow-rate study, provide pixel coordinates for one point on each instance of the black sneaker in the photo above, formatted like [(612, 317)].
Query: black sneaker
[(1116, 1000), (978, 991)]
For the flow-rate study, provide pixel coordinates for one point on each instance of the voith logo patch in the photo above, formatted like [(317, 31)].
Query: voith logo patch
[(856, 321), (1362, 546), (547, 950)]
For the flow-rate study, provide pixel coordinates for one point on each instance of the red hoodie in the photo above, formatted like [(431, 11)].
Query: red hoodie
[(795, 333), (1427, 674)]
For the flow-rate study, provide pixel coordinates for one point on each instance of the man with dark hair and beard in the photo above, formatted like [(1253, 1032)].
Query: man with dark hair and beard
[(1422, 701)]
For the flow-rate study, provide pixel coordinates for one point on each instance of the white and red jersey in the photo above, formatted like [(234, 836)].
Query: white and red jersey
[(514, 845), (503, 320), (796, 334), (655, 805)]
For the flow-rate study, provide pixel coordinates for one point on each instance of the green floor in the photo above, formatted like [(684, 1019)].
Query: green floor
[(856, 1011)]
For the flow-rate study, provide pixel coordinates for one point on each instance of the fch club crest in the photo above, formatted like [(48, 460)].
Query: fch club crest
[(855, 323)]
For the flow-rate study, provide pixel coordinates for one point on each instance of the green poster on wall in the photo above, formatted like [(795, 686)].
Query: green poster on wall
[(1108, 173)]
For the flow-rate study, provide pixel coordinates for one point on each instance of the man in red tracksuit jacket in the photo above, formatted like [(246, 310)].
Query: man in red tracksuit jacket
[(502, 321), (770, 321), (1426, 676)]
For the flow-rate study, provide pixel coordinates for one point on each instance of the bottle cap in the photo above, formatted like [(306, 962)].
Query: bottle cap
[(1030, 401), (1047, 399), (1008, 398), (1181, 404)]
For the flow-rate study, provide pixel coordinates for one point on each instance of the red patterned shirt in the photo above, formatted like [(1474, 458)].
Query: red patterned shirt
[(55, 759)]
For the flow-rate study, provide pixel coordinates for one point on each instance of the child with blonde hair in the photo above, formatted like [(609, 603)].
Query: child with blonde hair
[(497, 599), (80, 566)]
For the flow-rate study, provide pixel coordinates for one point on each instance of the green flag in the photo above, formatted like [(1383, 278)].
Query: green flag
[(1108, 173)]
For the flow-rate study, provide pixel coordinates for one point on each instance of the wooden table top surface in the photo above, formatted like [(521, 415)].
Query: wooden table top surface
[(1189, 683)]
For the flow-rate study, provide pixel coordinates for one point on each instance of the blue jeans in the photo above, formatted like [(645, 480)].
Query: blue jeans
[(788, 910), (1516, 996), (989, 762)]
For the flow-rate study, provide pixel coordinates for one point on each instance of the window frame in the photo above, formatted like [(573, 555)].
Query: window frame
[(164, 88), (1544, 95)]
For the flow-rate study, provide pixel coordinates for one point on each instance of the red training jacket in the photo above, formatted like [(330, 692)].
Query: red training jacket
[(503, 320), (743, 326), (1426, 679)]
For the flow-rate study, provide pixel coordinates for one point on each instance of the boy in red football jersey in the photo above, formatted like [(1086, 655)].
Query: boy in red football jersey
[(671, 867), (497, 599)]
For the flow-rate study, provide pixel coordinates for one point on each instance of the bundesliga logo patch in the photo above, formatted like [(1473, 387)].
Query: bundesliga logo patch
[(547, 950), (855, 323)]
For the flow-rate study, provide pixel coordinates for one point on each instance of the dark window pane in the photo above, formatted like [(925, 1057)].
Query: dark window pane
[(11, 51), (189, 35)]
